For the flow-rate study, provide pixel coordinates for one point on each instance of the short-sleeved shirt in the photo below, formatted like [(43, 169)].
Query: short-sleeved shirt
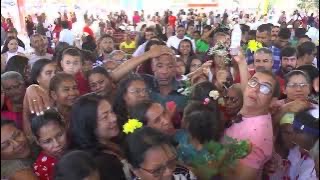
[(124, 45), (302, 166), (258, 130), (202, 46)]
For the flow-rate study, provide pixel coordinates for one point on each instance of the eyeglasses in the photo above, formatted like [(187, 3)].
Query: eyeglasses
[(232, 99), (296, 85), (139, 91), (16, 86), (158, 172), (263, 87)]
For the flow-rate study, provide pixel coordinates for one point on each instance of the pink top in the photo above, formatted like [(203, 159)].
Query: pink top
[(258, 130)]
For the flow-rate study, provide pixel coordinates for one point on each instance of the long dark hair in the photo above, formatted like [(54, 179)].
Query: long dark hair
[(119, 106), (37, 68), (5, 45), (191, 46), (84, 123), (19, 64)]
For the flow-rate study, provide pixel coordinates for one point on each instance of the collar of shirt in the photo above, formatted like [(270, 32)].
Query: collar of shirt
[(153, 84)]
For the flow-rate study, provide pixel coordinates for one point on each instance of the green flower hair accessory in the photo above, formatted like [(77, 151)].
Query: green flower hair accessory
[(131, 126), (254, 45), (220, 49)]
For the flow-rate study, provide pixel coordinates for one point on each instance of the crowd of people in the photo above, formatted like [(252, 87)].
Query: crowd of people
[(181, 96)]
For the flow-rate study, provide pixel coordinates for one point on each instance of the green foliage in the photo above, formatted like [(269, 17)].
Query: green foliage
[(308, 4), (221, 157)]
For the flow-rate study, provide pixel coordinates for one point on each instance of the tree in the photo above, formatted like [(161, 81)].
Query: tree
[(308, 5)]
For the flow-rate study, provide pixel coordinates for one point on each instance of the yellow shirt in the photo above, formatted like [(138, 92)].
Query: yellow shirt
[(124, 45)]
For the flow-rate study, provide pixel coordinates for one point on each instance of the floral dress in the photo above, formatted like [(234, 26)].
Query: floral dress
[(44, 166)]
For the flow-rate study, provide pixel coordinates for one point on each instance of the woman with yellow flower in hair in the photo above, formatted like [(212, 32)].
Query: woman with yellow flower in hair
[(94, 129), (152, 114)]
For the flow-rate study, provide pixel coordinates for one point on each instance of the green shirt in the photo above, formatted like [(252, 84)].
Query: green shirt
[(202, 46)]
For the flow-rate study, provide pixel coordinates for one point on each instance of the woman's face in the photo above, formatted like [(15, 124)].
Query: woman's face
[(195, 64), (107, 126), (52, 139), (159, 164), (46, 74), (294, 89), (233, 102), (14, 143), (100, 84), (158, 118), (137, 91), (13, 45), (185, 48), (66, 93), (181, 68), (287, 135)]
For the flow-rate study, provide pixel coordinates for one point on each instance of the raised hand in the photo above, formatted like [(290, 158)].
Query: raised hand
[(159, 50), (37, 99)]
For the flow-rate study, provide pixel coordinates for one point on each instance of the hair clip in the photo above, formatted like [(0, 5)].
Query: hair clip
[(206, 101)]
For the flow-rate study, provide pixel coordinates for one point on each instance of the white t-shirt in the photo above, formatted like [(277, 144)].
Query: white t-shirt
[(174, 41), (33, 58), (302, 168), (66, 36)]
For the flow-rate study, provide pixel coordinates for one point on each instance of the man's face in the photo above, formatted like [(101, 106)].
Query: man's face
[(181, 32), (14, 90), (263, 61), (164, 69), (274, 33), (107, 45), (253, 98), (149, 35), (38, 43), (264, 38), (302, 40), (196, 36), (288, 63), (281, 43), (190, 29)]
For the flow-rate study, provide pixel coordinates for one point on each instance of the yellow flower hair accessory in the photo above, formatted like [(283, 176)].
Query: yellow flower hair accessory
[(253, 45), (131, 126)]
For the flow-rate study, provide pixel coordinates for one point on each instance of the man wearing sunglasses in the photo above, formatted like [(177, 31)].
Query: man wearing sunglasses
[(255, 124)]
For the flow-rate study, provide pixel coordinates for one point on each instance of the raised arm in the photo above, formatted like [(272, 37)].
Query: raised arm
[(243, 69), (132, 63)]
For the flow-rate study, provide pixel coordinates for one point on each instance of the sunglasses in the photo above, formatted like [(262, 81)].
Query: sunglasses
[(264, 88)]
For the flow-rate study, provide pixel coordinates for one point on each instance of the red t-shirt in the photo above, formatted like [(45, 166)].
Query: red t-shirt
[(82, 83), (43, 167), (172, 21)]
